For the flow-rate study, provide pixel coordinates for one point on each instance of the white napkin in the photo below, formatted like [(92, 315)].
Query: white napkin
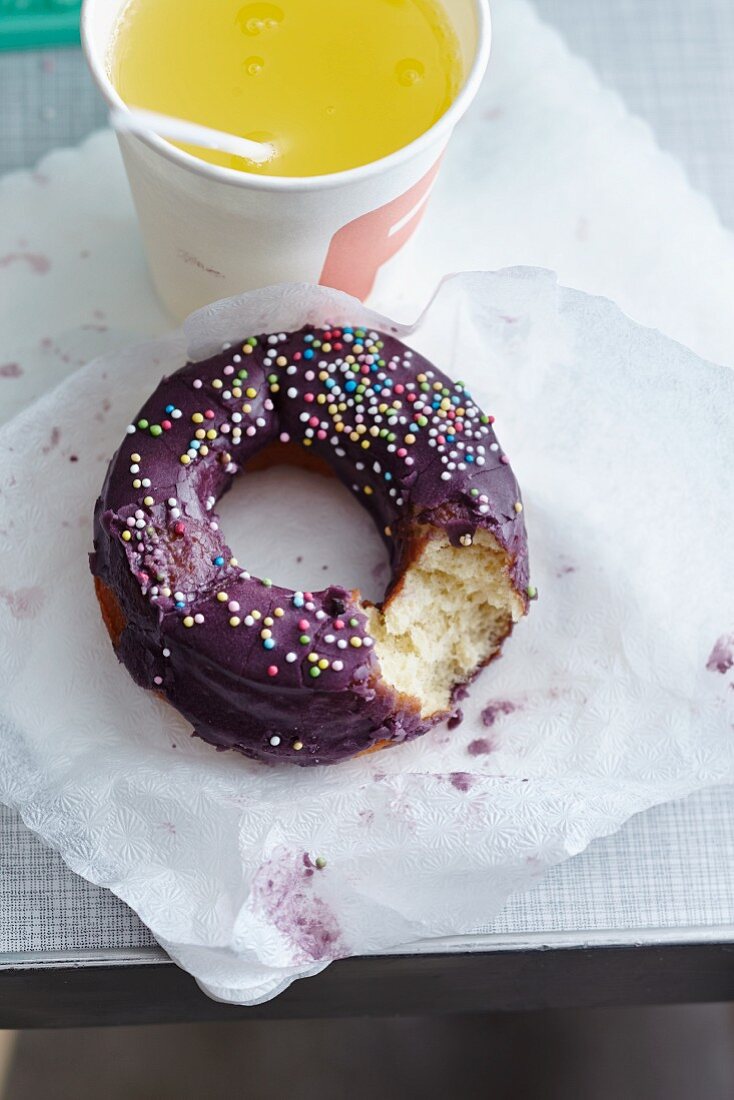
[(549, 169), (601, 706)]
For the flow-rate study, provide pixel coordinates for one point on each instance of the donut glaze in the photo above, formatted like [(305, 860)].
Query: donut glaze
[(276, 674)]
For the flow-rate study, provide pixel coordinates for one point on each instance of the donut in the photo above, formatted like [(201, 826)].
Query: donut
[(298, 676)]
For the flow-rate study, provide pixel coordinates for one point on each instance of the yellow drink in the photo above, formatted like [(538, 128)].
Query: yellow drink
[(333, 83)]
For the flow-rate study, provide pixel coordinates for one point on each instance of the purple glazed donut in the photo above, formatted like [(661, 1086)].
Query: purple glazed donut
[(311, 677)]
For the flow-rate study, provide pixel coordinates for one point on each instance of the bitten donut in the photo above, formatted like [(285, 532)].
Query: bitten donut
[(311, 677)]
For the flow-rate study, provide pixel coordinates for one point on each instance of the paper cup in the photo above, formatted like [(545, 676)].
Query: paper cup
[(212, 232)]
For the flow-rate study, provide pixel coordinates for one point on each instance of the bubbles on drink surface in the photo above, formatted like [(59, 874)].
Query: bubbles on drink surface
[(254, 19), (410, 71), (254, 65)]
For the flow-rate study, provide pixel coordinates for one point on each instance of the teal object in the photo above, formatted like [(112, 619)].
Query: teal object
[(26, 24)]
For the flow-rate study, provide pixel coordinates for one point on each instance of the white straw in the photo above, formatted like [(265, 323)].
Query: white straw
[(142, 122)]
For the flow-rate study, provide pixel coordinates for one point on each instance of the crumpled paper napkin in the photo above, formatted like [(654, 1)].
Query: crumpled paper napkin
[(613, 695)]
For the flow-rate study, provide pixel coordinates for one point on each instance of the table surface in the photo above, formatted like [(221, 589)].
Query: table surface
[(646, 915)]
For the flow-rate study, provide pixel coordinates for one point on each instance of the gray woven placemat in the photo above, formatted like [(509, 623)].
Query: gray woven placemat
[(666, 870)]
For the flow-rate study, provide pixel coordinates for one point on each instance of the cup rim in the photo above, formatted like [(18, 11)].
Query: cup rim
[(252, 181)]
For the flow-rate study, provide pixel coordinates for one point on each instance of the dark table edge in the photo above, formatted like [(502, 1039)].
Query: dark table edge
[(386, 985)]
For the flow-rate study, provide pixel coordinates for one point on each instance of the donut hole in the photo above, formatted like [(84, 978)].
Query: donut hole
[(302, 530), (447, 617)]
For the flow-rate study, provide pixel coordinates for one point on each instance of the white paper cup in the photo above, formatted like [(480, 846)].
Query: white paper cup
[(212, 232)]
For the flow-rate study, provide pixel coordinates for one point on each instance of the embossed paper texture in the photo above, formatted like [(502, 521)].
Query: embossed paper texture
[(615, 693)]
